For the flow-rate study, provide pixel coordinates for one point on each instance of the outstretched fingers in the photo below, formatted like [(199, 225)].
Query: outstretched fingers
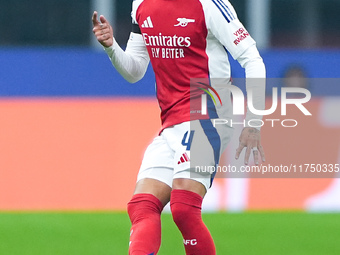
[(102, 30), (95, 21), (262, 153), (103, 20), (239, 150)]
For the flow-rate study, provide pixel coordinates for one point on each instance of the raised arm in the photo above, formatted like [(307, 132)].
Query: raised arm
[(131, 63)]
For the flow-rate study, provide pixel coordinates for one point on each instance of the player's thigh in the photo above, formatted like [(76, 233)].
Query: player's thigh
[(190, 185), (204, 147), (155, 187), (156, 171)]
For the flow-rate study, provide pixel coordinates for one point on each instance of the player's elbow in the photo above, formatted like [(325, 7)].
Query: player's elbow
[(254, 60), (136, 73), (132, 79)]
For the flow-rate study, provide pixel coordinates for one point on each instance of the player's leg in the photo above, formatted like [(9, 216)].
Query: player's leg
[(186, 203), (151, 194), (154, 187), (144, 210), (203, 147)]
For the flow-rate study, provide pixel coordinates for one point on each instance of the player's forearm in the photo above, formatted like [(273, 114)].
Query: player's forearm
[(255, 84), (131, 63)]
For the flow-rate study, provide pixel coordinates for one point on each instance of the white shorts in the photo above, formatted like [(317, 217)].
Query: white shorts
[(179, 149)]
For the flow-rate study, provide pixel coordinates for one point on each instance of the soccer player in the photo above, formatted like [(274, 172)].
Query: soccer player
[(184, 40)]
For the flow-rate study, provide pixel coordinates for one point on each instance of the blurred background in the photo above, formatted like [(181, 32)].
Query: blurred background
[(73, 133), (276, 23)]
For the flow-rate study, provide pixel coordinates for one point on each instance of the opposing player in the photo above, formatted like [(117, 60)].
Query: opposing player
[(184, 40)]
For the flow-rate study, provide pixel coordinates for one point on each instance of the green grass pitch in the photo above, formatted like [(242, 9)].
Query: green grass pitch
[(105, 233)]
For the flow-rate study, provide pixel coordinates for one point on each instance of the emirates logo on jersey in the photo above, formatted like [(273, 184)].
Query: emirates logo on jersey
[(166, 40), (166, 47)]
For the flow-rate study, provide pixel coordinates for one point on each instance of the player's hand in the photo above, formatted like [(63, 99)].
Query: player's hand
[(102, 30), (250, 139)]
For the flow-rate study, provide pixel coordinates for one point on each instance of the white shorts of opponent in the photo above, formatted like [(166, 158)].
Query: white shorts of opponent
[(186, 150)]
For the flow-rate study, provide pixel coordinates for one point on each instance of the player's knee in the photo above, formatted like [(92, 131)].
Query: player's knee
[(185, 206), (143, 206), (181, 213)]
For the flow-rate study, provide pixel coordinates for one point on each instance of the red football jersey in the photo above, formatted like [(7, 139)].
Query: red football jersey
[(186, 40)]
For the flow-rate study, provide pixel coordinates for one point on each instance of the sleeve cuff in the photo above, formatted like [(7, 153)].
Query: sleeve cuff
[(109, 50)]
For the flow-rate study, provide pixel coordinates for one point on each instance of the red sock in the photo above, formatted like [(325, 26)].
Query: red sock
[(186, 212), (144, 211)]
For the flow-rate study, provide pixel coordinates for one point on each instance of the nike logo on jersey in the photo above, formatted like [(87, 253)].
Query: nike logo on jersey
[(183, 22), (147, 23)]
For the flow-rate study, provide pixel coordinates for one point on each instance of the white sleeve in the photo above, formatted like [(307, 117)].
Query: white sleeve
[(255, 82), (223, 23), (133, 62)]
